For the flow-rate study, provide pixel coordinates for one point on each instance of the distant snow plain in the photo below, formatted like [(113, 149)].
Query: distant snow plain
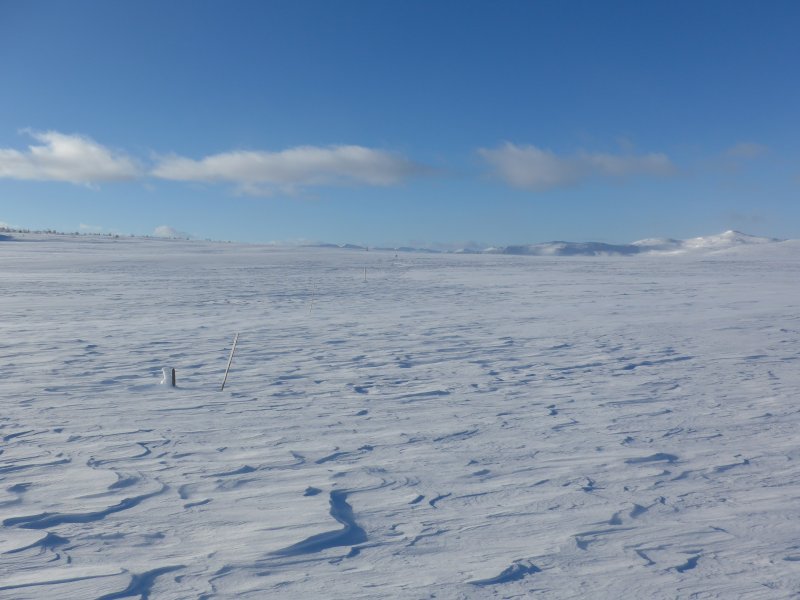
[(449, 426)]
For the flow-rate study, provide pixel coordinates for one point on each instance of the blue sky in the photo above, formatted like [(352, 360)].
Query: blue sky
[(402, 122)]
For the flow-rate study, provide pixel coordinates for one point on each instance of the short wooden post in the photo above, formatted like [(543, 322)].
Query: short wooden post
[(173, 377)]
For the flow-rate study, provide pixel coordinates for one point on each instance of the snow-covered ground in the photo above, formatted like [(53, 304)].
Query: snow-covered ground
[(455, 426)]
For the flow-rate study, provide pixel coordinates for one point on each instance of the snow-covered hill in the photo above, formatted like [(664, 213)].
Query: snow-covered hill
[(571, 249), (723, 241), (711, 243)]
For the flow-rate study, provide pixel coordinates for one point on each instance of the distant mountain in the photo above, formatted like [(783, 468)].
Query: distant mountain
[(722, 241), (711, 243), (409, 249), (725, 240), (570, 249), (338, 246)]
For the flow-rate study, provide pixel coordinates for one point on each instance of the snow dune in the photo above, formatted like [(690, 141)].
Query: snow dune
[(457, 426)]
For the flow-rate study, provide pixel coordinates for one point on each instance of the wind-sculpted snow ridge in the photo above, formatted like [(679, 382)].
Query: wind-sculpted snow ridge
[(456, 426), (351, 534)]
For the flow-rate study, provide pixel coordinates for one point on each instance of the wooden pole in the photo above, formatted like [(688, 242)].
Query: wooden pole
[(230, 360), (173, 377)]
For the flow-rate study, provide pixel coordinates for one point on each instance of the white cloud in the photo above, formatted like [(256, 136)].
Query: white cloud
[(746, 150), (63, 157), (165, 231), (260, 172), (90, 228), (529, 166), (533, 168)]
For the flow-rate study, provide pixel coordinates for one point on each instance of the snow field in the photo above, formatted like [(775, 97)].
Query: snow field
[(457, 426)]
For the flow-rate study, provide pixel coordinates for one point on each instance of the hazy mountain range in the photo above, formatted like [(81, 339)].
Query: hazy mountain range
[(722, 241)]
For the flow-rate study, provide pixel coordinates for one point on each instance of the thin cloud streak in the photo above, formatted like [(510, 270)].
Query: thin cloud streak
[(63, 157), (259, 172), (533, 168), (747, 150)]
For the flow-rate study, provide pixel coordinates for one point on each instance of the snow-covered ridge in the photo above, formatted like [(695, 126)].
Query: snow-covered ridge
[(711, 243), (722, 241), (725, 241), (571, 249)]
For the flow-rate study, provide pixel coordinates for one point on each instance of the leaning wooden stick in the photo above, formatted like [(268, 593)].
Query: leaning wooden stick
[(230, 360)]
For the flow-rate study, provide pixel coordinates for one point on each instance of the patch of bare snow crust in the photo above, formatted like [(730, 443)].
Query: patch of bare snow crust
[(449, 426)]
